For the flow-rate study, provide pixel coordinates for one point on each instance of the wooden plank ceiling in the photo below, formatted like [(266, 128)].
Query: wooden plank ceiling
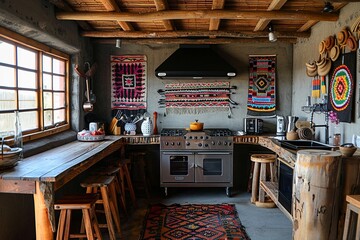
[(195, 21)]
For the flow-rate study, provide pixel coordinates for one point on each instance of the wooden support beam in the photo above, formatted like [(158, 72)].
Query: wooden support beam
[(184, 34), (215, 23), (311, 23), (160, 6), (66, 7), (111, 5), (194, 41), (274, 5), (206, 14)]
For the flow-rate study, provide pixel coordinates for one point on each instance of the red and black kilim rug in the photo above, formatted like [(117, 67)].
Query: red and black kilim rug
[(193, 221)]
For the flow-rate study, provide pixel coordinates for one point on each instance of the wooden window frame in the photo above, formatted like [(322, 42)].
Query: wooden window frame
[(41, 49)]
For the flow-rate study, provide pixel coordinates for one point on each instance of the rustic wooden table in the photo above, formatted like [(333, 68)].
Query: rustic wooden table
[(44, 173)]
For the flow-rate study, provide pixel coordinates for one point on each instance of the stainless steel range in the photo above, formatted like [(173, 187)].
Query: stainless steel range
[(196, 159)]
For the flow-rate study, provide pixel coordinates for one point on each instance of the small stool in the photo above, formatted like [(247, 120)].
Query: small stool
[(125, 175), (84, 202), (140, 172), (260, 163), (352, 206), (108, 199)]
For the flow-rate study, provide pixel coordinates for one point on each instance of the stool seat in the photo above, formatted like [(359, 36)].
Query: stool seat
[(84, 202), (261, 161), (97, 181)]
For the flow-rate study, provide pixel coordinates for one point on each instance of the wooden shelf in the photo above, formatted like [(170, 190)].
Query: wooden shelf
[(272, 189)]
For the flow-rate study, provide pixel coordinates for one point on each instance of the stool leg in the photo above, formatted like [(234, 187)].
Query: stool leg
[(126, 172), (67, 224), (272, 175), (109, 220), (87, 223), (114, 208), (254, 187), (347, 220), (61, 225), (262, 178), (95, 223)]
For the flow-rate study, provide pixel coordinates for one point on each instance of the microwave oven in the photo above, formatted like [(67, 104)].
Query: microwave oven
[(253, 125)]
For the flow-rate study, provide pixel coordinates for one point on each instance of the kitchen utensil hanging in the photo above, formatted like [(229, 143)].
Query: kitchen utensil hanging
[(88, 104)]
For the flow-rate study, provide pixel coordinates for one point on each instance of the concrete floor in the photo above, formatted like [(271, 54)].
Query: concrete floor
[(260, 223)]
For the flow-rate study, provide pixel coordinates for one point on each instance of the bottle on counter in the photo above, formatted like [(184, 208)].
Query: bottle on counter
[(18, 137)]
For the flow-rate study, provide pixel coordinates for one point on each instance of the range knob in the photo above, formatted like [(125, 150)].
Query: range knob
[(187, 144), (178, 143), (201, 137), (219, 143), (206, 145), (172, 143), (229, 143), (195, 137), (200, 144), (212, 142), (225, 143), (166, 143)]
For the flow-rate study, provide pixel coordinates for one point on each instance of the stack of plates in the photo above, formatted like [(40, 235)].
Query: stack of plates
[(305, 133)]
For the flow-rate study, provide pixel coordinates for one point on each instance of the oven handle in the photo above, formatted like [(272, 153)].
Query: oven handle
[(178, 153), (213, 153)]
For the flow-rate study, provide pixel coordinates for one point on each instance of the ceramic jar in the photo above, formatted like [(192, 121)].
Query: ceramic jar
[(129, 127), (146, 127)]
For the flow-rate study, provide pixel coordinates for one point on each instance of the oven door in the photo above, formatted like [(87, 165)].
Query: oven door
[(177, 167), (213, 167)]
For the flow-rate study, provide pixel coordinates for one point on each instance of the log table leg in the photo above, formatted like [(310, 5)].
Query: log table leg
[(43, 212)]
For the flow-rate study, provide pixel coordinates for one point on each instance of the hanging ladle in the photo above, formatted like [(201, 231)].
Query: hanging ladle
[(88, 106)]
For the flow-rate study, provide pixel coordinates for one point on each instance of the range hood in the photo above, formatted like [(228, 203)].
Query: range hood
[(195, 62)]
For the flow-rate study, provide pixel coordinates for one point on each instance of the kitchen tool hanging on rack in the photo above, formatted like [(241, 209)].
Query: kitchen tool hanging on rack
[(88, 105)]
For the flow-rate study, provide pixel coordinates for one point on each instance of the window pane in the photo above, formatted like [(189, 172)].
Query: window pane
[(7, 122), (26, 58), (59, 100), (46, 63), (48, 121), (7, 99), (48, 100), (47, 81), (29, 120), (27, 100), (27, 79), (59, 83), (7, 76), (59, 115), (58, 66), (7, 53)]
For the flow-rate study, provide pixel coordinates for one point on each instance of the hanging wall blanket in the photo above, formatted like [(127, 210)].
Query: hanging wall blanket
[(261, 94), (342, 85), (199, 97), (128, 78)]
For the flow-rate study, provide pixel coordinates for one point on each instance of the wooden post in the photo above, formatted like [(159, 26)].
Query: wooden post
[(43, 225), (316, 195)]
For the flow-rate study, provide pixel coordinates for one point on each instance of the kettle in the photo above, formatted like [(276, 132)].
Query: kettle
[(291, 120), (280, 125)]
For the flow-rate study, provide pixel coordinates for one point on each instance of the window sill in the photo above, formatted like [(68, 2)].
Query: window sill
[(44, 144)]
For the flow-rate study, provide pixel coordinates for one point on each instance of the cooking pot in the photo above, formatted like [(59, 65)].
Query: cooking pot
[(196, 126)]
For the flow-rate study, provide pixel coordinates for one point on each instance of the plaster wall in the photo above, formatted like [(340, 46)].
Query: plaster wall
[(236, 54), (306, 50)]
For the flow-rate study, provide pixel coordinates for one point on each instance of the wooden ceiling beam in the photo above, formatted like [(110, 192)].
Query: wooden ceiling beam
[(66, 7), (195, 41), (207, 14), (189, 34), (215, 23), (274, 5), (111, 5), (311, 23), (160, 6)]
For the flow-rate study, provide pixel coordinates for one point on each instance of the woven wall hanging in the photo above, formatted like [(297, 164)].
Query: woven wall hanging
[(195, 98), (128, 82), (261, 94)]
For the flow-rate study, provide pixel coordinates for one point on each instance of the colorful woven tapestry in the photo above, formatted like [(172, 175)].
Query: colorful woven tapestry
[(199, 97), (342, 86), (128, 78), (261, 94), (193, 221)]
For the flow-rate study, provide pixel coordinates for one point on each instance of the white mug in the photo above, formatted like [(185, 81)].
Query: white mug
[(93, 126)]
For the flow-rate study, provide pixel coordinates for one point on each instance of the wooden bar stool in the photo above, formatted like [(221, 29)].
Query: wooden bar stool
[(353, 206), (259, 174), (105, 185), (125, 176), (84, 202)]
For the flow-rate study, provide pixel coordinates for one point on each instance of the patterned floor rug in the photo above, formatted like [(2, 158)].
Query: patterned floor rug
[(193, 221)]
